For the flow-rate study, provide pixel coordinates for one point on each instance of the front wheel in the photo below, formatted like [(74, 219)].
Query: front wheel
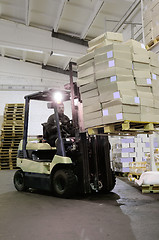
[(19, 182), (64, 183)]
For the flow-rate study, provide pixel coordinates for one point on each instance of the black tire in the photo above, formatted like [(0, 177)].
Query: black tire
[(19, 181), (108, 187), (64, 183)]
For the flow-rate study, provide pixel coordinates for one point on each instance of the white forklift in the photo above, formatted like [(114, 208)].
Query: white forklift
[(77, 165)]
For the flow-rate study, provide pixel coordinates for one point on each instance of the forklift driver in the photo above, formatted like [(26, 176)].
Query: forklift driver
[(50, 129)]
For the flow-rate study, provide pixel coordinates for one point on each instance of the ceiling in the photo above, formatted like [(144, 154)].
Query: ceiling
[(74, 21)]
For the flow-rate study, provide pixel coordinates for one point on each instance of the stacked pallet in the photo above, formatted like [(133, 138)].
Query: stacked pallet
[(119, 82), (151, 21), (11, 134)]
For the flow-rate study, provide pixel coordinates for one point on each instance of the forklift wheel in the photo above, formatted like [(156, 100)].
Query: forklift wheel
[(19, 180), (64, 183)]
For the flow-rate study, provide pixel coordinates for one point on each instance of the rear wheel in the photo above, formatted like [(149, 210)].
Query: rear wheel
[(64, 183), (19, 182)]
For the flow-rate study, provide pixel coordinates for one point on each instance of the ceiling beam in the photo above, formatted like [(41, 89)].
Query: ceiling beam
[(69, 38), (58, 70), (92, 17), (66, 64), (2, 51), (59, 14), (46, 58), (127, 15), (24, 56)]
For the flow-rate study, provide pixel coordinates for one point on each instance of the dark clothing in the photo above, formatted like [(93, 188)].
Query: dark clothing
[(50, 129)]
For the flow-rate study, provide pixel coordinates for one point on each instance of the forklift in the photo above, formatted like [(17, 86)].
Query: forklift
[(78, 164)]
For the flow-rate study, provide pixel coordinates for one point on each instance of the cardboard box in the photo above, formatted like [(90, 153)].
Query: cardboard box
[(120, 63), (147, 17), (154, 59), (154, 70), (86, 72), (113, 71), (119, 108), (145, 95), (143, 58), (108, 35), (85, 58), (93, 122), (113, 47), (140, 66), (148, 28), (90, 101), (100, 45), (104, 97), (88, 87), (156, 103), (86, 65), (135, 47), (149, 37), (143, 82), (146, 102), (155, 30), (155, 87), (144, 89), (92, 115), (120, 117), (141, 74), (89, 94), (92, 108), (85, 80), (105, 86), (112, 54)]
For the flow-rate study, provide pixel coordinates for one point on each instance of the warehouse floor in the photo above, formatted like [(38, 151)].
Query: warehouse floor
[(125, 214)]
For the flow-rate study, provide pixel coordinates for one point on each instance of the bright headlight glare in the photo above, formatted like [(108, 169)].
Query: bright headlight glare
[(57, 97)]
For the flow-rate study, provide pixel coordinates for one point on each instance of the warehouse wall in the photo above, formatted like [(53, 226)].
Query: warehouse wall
[(38, 110)]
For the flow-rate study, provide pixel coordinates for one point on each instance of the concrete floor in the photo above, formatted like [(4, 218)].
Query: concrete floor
[(124, 214)]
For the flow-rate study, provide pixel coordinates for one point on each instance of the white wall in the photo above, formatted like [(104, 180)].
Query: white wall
[(39, 112)]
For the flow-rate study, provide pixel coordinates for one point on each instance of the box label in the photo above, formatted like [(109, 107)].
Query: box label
[(154, 76), (113, 78), (149, 81), (110, 54), (137, 99), (111, 63), (105, 112), (119, 116), (116, 95)]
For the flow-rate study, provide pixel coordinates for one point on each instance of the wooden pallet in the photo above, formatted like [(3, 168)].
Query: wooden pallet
[(125, 127), (150, 188), (152, 43)]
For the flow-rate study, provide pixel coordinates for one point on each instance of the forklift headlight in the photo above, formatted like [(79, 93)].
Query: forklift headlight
[(57, 97)]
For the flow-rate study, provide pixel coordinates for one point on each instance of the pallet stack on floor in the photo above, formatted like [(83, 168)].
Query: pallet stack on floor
[(11, 134)]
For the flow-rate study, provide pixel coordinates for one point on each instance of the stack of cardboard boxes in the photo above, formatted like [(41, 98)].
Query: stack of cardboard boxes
[(118, 82), (150, 19), (130, 153)]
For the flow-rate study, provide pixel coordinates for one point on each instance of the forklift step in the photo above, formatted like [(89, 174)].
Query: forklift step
[(128, 127)]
